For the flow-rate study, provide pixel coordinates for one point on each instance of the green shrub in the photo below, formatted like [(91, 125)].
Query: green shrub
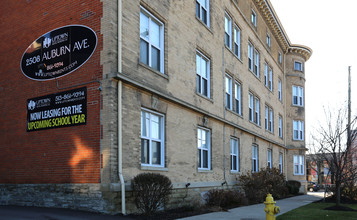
[(225, 198), (257, 185), (293, 186), (151, 191)]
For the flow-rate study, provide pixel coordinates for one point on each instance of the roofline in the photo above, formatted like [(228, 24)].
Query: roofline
[(276, 26)]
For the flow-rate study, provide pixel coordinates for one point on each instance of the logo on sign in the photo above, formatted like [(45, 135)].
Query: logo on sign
[(47, 42), (58, 52)]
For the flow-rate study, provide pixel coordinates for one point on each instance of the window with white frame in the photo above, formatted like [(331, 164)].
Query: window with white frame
[(280, 97), (270, 80), (152, 138), (281, 162), (234, 155), (298, 66), (280, 58), (269, 158), (298, 130), (268, 40), (151, 41), (269, 119), (299, 165), (204, 149), (255, 163), (238, 98), (228, 31), (250, 56), (202, 11), (203, 74), (254, 109), (228, 83), (268, 77), (237, 41), (280, 126), (298, 95), (266, 74), (257, 111), (256, 63), (253, 18)]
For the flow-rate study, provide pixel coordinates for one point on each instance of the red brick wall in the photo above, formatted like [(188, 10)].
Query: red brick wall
[(59, 155)]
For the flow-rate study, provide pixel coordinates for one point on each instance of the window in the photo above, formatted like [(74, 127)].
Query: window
[(280, 126), (229, 92), (228, 30), (268, 77), (237, 41), (204, 149), (253, 18), (238, 97), (256, 63), (269, 156), (281, 162), (254, 109), (268, 40), (270, 80), (280, 90), (152, 138), (257, 111), (234, 154), (280, 58), (299, 165), (202, 11), (298, 95), (203, 74), (298, 66), (255, 167), (151, 41), (266, 74), (298, 127), (269, 119), (250, 56)]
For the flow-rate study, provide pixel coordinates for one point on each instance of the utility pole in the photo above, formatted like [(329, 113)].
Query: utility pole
[(349, 109)]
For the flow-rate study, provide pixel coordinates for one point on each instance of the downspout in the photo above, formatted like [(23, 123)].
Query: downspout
[(224, 115), (120, 113)]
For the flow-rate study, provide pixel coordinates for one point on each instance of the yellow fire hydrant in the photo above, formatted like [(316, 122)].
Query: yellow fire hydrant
[(270, 209)]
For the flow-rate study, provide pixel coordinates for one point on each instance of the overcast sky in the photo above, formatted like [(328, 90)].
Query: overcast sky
[(329, 28)]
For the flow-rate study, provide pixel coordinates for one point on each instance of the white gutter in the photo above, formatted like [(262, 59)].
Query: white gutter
[(120, 113)]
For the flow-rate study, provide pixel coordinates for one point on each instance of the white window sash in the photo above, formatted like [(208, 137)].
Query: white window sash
[(205, 136), (228, 92), (203, 64), (228, 30), (150, 42), (237, 41), (149, 136), (238, 97)]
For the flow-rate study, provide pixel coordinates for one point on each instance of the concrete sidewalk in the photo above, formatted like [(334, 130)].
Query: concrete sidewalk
[(256, 212)]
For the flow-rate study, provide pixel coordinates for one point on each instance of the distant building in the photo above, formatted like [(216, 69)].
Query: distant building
[(96, 92)]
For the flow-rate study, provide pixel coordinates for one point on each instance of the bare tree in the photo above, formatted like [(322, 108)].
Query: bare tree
[(332, 144)]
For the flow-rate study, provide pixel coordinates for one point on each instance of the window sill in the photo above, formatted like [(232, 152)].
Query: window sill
[(232, 52), (205, 97), (143, 167), (234, 172), (153, 70), (256, 76), (233, 112), (204, 171), (258, 125), (205, 25)]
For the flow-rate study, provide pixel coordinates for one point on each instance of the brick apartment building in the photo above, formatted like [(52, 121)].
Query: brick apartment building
[(96, 92)]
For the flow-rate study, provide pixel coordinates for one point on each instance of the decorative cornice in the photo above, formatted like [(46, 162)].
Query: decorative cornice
[(274, 23)]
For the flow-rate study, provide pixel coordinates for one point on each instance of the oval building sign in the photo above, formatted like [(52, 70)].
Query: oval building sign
[(58, 52)]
